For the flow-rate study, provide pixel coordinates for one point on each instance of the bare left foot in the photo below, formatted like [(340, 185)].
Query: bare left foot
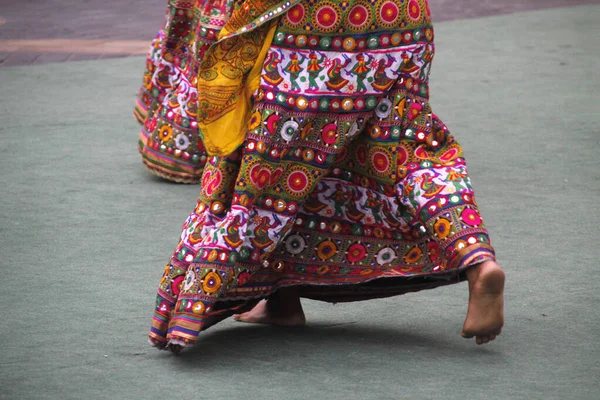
[(485, 315), (283, 309)]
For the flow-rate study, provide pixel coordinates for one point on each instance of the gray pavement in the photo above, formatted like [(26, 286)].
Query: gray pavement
[(44, 20), (85, 232)]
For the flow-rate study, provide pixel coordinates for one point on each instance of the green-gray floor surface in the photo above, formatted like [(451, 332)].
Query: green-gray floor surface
[(85, 233)]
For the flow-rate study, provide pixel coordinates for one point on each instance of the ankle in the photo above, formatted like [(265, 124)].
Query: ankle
[(474, 272), (285, 301)]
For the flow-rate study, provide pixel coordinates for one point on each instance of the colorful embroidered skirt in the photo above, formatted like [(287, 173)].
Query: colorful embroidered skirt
[(348, 186)]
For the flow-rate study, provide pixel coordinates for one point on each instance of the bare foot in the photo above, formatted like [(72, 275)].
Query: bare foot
[(283, 308), (485, 315)]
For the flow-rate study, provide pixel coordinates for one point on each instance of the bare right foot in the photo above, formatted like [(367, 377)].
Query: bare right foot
[(261, 314), (485, 315), (283, 309)]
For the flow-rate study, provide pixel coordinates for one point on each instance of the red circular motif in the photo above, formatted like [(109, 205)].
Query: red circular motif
[(470, 217), (356, 253), (296, 14), (358, 15), (329, 133), (181, 29), (176, 285), (389, 12), (414, 9), (326, 17), (381, 162), (297, 181), (385, 40)]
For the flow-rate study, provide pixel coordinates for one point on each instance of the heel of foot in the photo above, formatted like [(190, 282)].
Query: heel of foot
[(485, 314), (492, 279)]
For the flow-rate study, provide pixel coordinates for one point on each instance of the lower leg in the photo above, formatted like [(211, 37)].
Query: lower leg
[(485, 314), (282, 308)]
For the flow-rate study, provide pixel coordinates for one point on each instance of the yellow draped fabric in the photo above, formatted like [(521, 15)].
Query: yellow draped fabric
[(228, 76)]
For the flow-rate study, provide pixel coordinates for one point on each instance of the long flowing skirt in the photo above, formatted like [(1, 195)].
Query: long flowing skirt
[(347, 186)]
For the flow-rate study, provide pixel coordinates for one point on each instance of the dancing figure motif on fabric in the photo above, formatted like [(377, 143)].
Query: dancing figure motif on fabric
[(381, 81), (272, 75), (336, 82), (360, 71), (293, 69), (314, 69)]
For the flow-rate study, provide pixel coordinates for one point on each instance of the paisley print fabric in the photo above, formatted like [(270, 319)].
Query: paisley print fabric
[(347, 186)]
